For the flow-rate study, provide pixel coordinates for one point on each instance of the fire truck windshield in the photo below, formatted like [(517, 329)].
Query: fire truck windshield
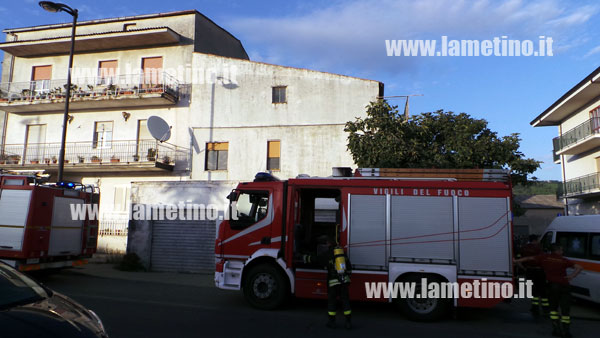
[(249, 208)]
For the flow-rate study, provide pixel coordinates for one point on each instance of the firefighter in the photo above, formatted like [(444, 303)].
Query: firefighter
[(338, 266), (535, 273), (555, 267)]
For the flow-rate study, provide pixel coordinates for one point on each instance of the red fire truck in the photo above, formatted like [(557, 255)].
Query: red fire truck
[(396, 225), (37, 230)]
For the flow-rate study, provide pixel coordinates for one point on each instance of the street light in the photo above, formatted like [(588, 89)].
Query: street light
[(58, 7)]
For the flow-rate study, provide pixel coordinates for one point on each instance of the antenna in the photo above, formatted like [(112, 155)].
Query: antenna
[(159, 128)]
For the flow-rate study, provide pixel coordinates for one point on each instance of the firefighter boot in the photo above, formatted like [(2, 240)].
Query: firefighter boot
[(348, 324), (556, 331), (331, 322), (535, 306), (566, 330)]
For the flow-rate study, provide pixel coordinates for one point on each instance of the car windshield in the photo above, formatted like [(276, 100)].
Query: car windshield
[(18, 289)]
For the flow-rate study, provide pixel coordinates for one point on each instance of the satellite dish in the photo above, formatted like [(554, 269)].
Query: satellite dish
[(159, 128)]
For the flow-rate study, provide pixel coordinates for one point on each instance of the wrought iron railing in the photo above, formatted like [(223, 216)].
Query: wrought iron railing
[(574, 135), (91, 87), (580, 185), (94, 152)]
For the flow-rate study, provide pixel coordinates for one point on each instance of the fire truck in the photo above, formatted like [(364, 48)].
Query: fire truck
[(396, 225), (37, 228)]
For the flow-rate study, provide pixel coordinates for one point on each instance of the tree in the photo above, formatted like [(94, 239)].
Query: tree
[(385, 139)]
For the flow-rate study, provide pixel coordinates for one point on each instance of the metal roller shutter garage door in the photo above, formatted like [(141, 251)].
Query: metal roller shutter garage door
[(183, 246)]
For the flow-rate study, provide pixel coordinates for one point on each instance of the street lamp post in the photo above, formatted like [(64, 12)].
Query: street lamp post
[(58, 7)]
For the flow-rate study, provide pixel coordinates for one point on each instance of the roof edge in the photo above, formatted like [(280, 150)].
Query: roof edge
[(290, 67), (575, 88), (100, 21)]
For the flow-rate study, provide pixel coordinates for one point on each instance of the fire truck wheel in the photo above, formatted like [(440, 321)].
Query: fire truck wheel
[(265, 288), (423, 309)]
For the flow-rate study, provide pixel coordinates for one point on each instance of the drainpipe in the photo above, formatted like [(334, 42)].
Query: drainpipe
[(562, 162)]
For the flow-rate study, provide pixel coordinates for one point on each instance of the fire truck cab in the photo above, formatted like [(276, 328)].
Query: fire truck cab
[(396, 225)]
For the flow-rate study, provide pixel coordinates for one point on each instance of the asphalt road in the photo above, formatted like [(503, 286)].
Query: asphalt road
[(132, 309)]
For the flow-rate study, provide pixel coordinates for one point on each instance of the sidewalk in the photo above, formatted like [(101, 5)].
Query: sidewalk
[(107, 270)]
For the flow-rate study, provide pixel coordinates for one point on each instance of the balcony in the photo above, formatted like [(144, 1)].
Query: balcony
[(134, 90), (93, 42), (107, 156), (581, 186), (582, 138)]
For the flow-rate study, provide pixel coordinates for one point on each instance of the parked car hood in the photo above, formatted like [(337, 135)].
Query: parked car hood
[(55, 316)]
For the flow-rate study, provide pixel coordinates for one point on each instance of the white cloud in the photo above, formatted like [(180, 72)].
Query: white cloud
[(353, 33), (592, 51)]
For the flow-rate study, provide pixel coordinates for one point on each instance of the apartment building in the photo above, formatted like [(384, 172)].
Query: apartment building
[(230, 117), (576, 115)]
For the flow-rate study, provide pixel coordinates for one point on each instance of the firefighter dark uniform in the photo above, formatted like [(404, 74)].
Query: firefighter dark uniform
[(339, 269), (555, 267), (535, 273)]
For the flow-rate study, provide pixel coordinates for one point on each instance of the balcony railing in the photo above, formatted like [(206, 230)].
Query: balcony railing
[(580, 186), (89, 89), (91, 153), (581, 132)]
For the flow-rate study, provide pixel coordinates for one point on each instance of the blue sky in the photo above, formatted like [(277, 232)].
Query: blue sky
[(348, 37)]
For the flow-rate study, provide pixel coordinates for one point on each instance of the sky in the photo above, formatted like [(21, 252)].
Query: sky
[(348, 37)]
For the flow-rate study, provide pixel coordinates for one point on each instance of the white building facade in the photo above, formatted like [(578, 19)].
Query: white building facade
[(577, 146), (230, 117)]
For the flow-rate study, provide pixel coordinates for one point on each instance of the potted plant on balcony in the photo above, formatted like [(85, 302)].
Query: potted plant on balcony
[(25, 93), (95, 159), (136, 157), (55, 160), (13, 159), (166, 159), (35, 161), (151, 154), (81, 159), (3, 159), (3, 96), (114, 159), (47, 160)]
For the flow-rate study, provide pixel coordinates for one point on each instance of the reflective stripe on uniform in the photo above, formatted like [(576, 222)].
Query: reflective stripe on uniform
[(346, 313), (331, 313), (554, 315), (565, 319), (535, 301), (545, 302)]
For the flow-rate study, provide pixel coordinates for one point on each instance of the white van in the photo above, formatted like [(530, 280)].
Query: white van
[(580, 238)]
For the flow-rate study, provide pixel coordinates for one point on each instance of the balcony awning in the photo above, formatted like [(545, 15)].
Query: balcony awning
[(579, 96), (134, 38)]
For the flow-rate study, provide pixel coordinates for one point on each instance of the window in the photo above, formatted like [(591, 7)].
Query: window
[(107, 72), (249, 208), (40, 79), (573, 243), (546, 241), (103, 132), (279, 94), (273, 155), (216, 155), (595, 117)]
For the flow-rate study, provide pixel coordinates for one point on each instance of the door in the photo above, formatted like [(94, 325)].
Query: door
[(595, 119), (152, 70), (40, 79), (35, 144), (145, 142), (183, 246), (107, 72)]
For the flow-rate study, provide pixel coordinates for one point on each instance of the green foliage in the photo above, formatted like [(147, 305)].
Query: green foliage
[(537, 188), (384, 139)]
